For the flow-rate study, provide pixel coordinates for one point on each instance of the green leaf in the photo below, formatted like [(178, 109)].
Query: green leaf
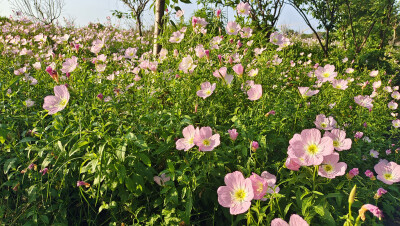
[(9, 164), (27, 139), (145, 159), (319, 210)]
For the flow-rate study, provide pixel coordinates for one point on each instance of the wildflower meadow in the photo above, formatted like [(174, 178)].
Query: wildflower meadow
[(227, 125)]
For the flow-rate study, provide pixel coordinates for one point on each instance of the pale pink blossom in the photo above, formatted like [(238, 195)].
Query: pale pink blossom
[(253, 72), (246, 32), (388, 89), (179, 13), (243, 8), (307, 92), (220, 73), (238, 69), (309, 147), (205, 140), (255, 92), (187, 143), (326, 73), (130, 53), (396, 123), (69, 65), (340, 142), (37, 65), (392, 105), (376, 84), (295, 220), (276, 38), (349, 70), (373, 73), (187, 65), (396, 95), (259, 185), (271, 182), (58, 102), (371, 208), (331, 167), (176, 37), (325, 123), (161, 180), (206, 90), (388, 172), (293, 163), (364, 101), (358, 135), (200, 51), (340, 84), (237, 194), (232, 28)]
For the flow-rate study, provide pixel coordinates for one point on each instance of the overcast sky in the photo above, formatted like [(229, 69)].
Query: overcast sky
[(85, 11)]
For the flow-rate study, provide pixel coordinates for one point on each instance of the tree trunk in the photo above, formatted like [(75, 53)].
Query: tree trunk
[(139, 25), (158, 24)]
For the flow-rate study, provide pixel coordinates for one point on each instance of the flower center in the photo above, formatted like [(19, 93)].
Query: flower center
[(239, 195), (63, 102), (312, 149), (326, 74), (335, 143), (388, 176), (328, 168), (324, 125), (190, 141), (260, 187), (208, 92), (338, 86), (206, 142)]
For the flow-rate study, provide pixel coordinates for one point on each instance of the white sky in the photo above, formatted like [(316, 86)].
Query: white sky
[(85, 11)]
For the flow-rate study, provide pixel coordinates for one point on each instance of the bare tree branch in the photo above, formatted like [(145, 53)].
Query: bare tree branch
[(45, 11)]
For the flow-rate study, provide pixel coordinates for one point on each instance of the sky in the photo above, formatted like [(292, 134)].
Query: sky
[(85, 11)]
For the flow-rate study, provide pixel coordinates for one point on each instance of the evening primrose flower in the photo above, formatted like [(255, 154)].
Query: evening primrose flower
[(396, 95), (232, 28), (331, 167), (161, 180), (237, 194), (307, 92), (388, 172), (58, 102), (255, 92), (340, 142), (82, 183), (29, 103), (340, 84), (373, 153), (352, 173), (259, 185), (325, 123), (373, 73), (243, 8), (69, 65), (379, 193), (205, 140), (206, 90), (396, 123), (364, 101), (392, 105), (187, 143), (176, 37), (326, 73), (295, 220), (233, 134), (187, 65), (309, 147), (238, 69), (371, 208)]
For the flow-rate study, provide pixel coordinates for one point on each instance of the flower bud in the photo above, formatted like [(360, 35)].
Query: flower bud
[(352, 194)]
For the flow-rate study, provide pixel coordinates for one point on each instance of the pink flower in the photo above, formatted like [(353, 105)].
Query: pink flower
[(187, 143), (310, 147), (271, 181), (58, 102), (379, 193), (162, 179), (237, 194), (276, 38), (396, 95), (187, 65), (358, 135), (253, 72), (373, 153), (43, 171), (331, 167), (326, 73), (70, 64), (130, 53), (369, 174), (233, 134), (179, 13), (340, 142), (238, 69), (243, 8), (82, 183), (307, 92), (293, 164), (220, 73), (255, 92), (340, 84), (246, 32), (352, 173), (232, 28), (371, 208), (388, 172), (259, 185), (206, 89), (373, 73), (392, 105), (325, 123), (396, 123), (205, 140), (364, 101), (295, 220), (176, 37), (254, 145), (200, 51)]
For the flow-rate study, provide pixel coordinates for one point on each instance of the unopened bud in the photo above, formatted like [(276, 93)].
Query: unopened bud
[(352, 194)]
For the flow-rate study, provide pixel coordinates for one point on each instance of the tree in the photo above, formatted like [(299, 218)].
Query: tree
[(325, 11), (159, 8), (45, 11), (137, 7)]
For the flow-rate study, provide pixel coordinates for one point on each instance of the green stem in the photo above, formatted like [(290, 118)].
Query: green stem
[(314, 176)]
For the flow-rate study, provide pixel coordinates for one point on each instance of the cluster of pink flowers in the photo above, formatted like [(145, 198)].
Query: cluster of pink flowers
[(239, 192), (201, 137)]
